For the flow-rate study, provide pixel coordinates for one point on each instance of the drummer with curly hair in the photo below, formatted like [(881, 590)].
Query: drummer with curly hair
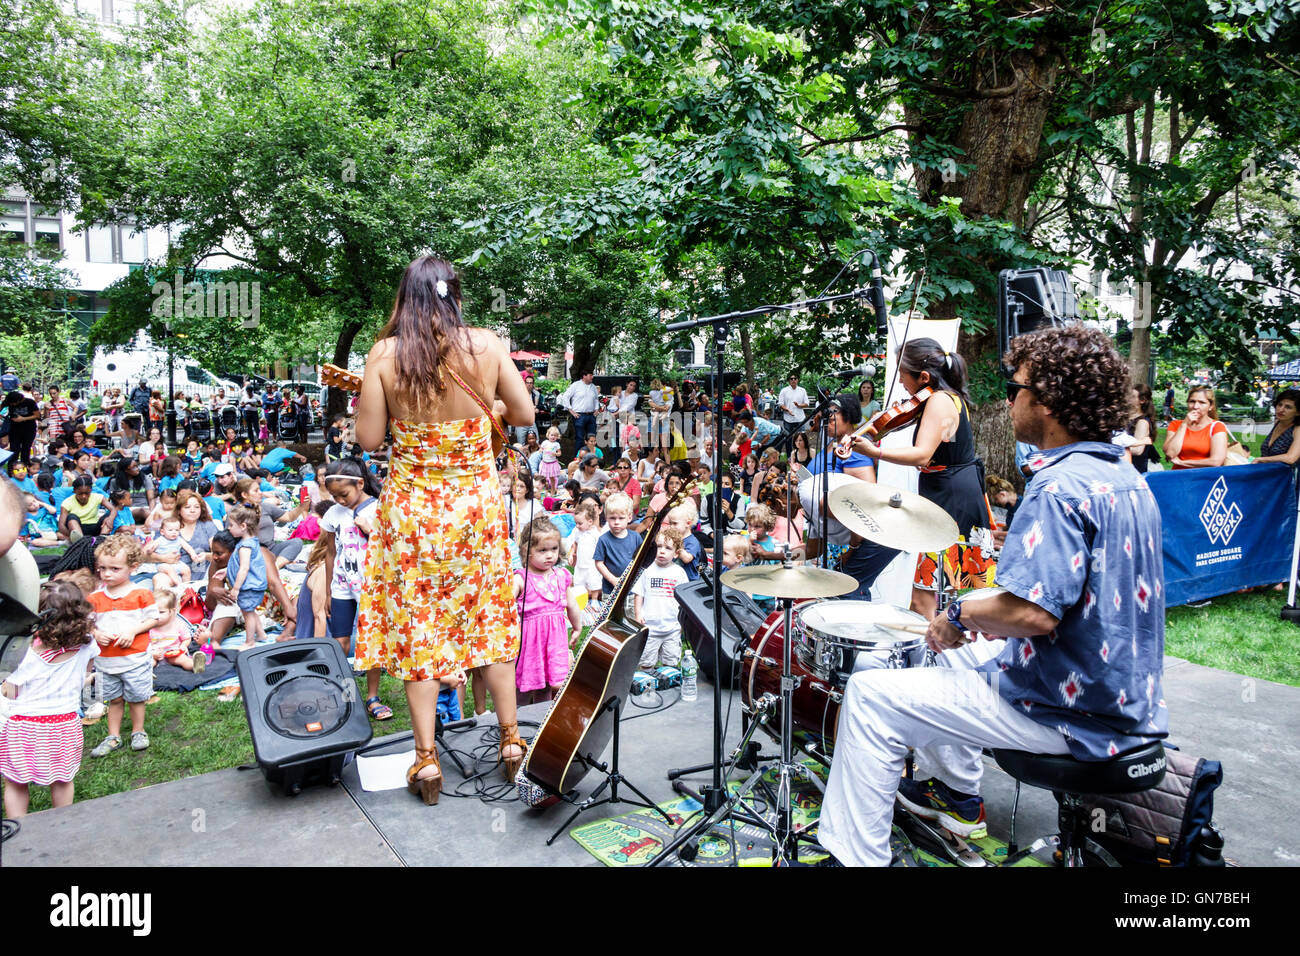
[(1077, 663)]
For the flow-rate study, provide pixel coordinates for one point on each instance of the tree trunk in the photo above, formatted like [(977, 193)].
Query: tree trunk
[(337, 402), (585, 355), (998, 143)]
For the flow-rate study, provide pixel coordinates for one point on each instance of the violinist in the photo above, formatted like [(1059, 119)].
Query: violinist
[(943, 448)]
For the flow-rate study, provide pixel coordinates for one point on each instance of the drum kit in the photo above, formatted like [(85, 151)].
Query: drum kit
[(799, 662)]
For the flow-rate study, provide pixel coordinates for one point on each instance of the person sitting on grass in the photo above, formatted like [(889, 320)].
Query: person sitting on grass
[(83, 514), (169, 639), (40, 529), (166, 548)]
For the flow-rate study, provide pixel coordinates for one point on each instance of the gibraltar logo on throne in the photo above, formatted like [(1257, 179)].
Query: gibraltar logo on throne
[(1220, 519)]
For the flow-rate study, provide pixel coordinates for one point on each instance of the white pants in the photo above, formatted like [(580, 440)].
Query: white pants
[(947, 713)]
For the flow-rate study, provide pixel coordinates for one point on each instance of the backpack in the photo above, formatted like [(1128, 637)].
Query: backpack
[(1169, 825)]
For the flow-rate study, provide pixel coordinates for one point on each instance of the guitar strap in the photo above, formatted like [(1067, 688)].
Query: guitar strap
[(481, 404)]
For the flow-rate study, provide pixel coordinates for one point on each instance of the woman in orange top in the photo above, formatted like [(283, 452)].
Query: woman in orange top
[(1200, 440)]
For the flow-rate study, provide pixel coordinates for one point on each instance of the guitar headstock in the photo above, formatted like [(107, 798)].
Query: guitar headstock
[(336, 377)]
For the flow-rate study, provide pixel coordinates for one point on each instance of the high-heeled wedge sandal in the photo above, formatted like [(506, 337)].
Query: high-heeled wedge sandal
[(510, 737), (429, 788)]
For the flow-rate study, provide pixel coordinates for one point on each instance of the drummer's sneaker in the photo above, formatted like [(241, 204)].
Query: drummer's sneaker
[(934, 800)]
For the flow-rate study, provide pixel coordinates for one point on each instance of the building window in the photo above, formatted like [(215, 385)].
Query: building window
[(13, 221), (134, 248), (99, 244), (46, 232)]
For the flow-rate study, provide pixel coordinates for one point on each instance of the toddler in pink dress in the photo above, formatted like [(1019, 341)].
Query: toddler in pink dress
[(547, 610)]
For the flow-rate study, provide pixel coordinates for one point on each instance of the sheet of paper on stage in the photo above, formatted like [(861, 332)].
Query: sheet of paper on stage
[(387, 772)]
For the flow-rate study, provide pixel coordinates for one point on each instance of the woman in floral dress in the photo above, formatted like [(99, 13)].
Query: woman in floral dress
[(438, 594)]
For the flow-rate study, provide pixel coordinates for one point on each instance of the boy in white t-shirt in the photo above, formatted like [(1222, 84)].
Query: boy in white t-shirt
[(654, 605)]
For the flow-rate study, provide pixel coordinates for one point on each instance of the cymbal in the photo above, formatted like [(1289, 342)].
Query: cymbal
[(893, 517), (776, 580)]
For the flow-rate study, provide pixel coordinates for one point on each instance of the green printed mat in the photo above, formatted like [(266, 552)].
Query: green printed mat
[(640, 835)]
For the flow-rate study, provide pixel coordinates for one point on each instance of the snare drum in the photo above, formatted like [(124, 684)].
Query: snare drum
[(835, 638)]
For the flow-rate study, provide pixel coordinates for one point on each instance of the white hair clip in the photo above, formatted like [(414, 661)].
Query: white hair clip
[(442, 288)]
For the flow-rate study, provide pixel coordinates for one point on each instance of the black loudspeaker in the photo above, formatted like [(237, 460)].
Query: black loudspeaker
[(303, 710), (1032, 299), (696, 617)]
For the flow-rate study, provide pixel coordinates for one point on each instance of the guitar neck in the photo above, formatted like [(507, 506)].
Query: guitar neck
[(613, 611)]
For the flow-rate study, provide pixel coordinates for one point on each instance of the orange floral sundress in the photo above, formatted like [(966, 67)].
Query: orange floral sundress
[(438, 593)]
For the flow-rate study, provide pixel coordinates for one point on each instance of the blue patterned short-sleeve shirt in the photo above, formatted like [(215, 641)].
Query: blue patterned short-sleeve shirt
[(1085, 546)]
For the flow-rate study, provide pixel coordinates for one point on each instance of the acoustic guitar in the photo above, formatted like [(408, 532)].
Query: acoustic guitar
[(336, 377), (579, 724)]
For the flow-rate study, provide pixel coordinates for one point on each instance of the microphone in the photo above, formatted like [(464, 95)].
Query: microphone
[(878, 296), (866, 371)]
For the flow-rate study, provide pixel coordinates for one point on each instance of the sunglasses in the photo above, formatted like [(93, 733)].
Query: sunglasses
[(1013, 388)]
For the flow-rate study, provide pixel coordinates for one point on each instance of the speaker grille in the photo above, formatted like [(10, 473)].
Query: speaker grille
[(274, 677), (321, 669)]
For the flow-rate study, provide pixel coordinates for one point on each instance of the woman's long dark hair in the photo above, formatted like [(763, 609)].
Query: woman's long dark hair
[(1146, 408), (947, 369), (428, 327), (354, 468)]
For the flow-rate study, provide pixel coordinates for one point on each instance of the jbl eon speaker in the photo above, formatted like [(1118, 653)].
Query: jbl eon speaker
[(696, 618), (303, 710)]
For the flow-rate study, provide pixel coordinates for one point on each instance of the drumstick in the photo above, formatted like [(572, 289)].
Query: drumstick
[(910, 629)]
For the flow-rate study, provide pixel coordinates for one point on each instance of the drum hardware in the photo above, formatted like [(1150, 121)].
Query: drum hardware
[(787, 583)]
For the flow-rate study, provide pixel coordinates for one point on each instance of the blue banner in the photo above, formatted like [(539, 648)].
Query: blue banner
[(1225, 529)]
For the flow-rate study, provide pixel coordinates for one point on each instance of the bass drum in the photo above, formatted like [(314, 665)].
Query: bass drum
[(816, 703)]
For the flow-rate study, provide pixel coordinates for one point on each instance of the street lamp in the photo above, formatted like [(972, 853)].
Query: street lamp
[(171, 388)]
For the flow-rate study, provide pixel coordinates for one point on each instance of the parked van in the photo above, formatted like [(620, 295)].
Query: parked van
[(125, 367)]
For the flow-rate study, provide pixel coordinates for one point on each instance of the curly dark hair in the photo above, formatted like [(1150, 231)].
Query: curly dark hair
[(66, 616), (1076, 372)]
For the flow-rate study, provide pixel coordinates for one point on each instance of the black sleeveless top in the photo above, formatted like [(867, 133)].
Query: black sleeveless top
[(1280, 446), (957, 483)]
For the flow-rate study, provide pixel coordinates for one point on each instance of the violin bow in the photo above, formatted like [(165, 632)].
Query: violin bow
[(906, 325)]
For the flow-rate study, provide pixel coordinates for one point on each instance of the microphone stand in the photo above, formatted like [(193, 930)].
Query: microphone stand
[(715, 795)]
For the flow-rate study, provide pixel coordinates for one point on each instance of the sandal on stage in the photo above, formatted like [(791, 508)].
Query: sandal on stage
[(378, 711), (429, 788), (510, 737)]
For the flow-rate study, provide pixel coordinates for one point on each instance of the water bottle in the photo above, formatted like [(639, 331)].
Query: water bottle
[(689, 669)]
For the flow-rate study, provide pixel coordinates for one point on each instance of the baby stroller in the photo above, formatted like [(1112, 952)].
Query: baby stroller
[(200, 425), (229, 418), (288, 426)]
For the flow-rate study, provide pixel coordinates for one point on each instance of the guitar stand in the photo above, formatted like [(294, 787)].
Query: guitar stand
[(613, 777)]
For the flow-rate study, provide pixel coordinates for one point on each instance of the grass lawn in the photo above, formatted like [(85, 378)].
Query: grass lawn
[(1241, 633)]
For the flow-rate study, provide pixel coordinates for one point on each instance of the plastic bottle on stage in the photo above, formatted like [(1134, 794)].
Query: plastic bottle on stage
[(689, 670)]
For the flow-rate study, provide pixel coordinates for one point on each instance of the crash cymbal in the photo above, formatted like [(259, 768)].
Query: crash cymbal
[(776, 580), (893, 517)]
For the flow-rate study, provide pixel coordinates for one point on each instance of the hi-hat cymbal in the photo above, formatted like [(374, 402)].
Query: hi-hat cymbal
[(776, 580), (893, 517)]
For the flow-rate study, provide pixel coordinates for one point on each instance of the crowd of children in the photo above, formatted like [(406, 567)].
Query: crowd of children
[(167, 521)]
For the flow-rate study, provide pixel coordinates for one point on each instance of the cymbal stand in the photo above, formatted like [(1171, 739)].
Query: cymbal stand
[(783, 830)]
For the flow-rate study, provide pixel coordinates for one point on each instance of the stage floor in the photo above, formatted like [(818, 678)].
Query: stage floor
[(234, 818)]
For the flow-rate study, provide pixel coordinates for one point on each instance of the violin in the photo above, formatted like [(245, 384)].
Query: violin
[(899, 415)]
